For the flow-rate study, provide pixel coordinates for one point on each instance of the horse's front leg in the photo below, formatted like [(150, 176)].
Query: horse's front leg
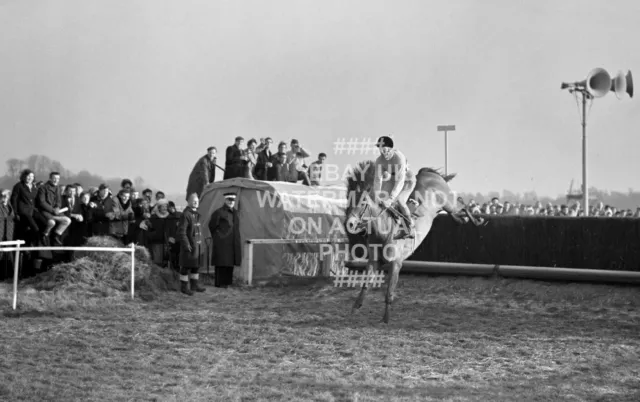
[(371, 268), (394, 271)]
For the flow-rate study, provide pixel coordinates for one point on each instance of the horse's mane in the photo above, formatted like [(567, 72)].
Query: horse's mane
[(360, 178), (447, 177)]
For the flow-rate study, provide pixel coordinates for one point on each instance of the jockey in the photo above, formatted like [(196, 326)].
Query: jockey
[(391, 173)]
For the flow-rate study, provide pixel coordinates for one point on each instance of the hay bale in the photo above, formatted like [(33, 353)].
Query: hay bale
[(100, 273), (141, 253)]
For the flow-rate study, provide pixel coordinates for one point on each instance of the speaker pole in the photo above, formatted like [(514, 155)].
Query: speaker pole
[(597, 85), (585, 186)]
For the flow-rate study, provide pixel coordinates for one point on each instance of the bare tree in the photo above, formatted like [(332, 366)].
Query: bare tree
[(138, 182), (14, 166), (40, 164)]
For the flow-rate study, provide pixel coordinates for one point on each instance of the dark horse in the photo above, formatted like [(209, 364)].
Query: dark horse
[(374, 228)]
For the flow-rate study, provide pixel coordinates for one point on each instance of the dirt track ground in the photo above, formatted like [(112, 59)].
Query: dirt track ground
[(449, 339)]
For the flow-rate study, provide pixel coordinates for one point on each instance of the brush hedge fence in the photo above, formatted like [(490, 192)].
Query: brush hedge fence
[(567, 242)]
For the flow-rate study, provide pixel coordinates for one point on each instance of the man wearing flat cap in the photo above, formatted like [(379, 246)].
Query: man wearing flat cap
[(224, 227), (101, 204), (390, 179), (235, 160), (190, 239)]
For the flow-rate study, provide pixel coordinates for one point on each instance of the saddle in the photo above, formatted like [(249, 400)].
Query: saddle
[(403, 231)]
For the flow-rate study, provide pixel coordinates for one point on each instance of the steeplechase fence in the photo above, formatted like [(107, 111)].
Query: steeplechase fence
[(15, 246), (247, 252), (432, 267)]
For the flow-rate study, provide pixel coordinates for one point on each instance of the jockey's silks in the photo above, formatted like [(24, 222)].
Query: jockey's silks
[(395, 168)]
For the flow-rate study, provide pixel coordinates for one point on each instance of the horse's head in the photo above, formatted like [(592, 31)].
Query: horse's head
[(359, 213), (359, 204)]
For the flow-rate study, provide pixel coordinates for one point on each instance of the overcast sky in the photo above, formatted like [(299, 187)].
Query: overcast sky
[(142, 88)]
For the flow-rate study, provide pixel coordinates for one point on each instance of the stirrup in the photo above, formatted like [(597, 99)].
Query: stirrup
[(403, 234)]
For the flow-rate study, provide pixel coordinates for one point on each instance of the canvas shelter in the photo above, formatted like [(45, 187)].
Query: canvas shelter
[(278, 210)]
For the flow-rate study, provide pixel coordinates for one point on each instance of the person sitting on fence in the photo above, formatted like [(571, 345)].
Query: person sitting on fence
[(23, 200), (74, 212), (49, 203), (70, 201)]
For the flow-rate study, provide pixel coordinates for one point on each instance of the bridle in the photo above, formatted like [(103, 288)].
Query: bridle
[(362, 222)]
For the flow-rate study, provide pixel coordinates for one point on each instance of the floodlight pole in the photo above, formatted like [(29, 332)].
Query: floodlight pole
[(446, 148)]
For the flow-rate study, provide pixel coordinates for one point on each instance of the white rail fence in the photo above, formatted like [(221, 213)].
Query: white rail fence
[(15, 246)]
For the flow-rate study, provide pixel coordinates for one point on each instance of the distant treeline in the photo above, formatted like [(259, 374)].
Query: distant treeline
[(43, 165)]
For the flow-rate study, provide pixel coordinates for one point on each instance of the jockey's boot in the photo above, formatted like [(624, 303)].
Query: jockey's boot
[(408, 230)]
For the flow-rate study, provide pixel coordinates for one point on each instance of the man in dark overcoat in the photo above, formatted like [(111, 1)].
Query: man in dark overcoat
[(235, 160), (264, 160), (190, 239), (203, 173), (224, 227)]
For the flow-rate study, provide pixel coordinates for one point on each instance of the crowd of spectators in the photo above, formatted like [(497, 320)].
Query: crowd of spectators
[(495, 207), (260, 162), (66, 215)]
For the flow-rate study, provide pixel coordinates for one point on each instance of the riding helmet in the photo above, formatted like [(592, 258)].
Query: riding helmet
[(385, 141)]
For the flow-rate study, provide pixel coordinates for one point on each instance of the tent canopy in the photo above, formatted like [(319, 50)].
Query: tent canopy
[(280, 210)]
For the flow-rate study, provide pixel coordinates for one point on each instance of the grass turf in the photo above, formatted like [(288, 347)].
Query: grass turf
[(449, 338)]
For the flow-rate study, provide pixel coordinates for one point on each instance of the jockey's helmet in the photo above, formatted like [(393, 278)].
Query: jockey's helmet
[(384, 141)]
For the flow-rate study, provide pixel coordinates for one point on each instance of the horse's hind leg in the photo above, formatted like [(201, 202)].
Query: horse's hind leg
[(394, 272), (371, 268)]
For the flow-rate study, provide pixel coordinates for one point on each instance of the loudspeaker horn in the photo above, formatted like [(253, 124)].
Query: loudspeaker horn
[(629, 84), (597, 83), (622, 84), (619, 84)]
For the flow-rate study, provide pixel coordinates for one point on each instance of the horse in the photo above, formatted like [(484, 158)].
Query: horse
[(430, 196)]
